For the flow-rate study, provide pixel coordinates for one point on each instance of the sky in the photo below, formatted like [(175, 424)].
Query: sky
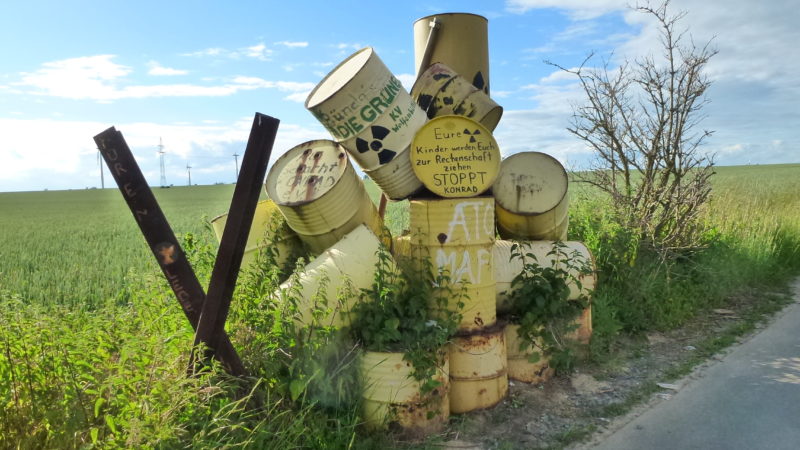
[(191, 75)]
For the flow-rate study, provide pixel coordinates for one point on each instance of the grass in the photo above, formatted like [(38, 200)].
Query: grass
[(93, 346), (77, 247)]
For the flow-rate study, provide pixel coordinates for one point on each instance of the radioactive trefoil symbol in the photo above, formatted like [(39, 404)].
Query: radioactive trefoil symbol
[(379, 133), (472, 134)]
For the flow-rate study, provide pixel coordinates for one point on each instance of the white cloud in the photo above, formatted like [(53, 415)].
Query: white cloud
[(299, 97), (577, 9), (348, 46), (99, 78), (67, 149), (157, 69), (291, 44), (407, 79), (213, 51), (77, 77), (258, 51)]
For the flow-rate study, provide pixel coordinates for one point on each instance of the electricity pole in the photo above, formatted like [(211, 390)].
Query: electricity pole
[(161, 156), (100, 163)]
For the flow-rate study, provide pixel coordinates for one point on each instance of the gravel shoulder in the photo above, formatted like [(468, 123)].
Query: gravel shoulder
[(579, 410)]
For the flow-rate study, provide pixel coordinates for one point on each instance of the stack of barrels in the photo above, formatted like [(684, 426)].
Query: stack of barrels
[(433, 146)]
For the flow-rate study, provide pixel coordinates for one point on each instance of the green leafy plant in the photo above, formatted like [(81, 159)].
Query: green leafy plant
[(408, 309), (540, 303)]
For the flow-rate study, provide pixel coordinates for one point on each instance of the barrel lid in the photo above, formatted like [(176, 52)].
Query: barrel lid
[(451, 14), (455, 156), (338, 77), (306, 172), (530, 183)]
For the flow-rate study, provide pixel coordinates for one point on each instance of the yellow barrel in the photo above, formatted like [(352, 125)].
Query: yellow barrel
[(441, 91), (478, 370), (392, 395), (369, 112), (396, 179), (457, 235), (348, 264), (455, 156), (583, 334), (519, 366), (320, 194), (401, 246), (461, 42), (531, 197), (268, 228), (506, 269)]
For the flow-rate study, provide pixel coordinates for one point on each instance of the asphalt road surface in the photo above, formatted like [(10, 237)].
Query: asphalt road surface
[(749, 400)]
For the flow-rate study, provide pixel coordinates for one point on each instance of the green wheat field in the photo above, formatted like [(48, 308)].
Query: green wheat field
[(93, 346)]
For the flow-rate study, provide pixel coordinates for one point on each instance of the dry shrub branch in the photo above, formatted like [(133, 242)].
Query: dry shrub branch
[(642, 120)]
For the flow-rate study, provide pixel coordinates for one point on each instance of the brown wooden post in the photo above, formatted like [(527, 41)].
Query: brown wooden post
[(211, 328), (159, 236)]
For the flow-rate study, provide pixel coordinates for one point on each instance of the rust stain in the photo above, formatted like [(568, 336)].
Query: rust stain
[(442, 238)]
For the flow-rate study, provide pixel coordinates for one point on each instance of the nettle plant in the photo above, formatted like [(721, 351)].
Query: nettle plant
[(409, 310), (540, 303)]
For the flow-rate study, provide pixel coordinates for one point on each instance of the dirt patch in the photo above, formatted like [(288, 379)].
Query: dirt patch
[(569, 408)]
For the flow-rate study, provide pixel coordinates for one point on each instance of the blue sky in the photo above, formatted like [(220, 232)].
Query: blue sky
[(194, 73)]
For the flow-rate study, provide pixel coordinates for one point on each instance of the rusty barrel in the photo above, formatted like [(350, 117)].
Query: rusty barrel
[(320, 195), (531, 197), (506, 269), (457, 236), (369, 112), (520, 367), (441, 91), (392, 395), (461, 41), (455, 156), (583, 334), (478, 369), (344, 268)]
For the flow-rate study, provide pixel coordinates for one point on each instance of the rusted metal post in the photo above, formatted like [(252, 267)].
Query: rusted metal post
[(159, 236), (211, 328)]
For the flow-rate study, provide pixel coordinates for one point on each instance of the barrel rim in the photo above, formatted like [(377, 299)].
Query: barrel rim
[(281, 162), (452, 14), (327, 77), (498, 200)]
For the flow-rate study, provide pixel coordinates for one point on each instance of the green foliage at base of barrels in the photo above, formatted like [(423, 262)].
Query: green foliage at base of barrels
[(93, 346)]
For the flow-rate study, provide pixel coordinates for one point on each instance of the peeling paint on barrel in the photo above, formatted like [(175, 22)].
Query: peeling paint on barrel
[(441, 91), (320, 195), (392, 395), (478, 369)]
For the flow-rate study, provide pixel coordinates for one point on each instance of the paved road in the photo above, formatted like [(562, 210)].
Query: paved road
[(749, 400)]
